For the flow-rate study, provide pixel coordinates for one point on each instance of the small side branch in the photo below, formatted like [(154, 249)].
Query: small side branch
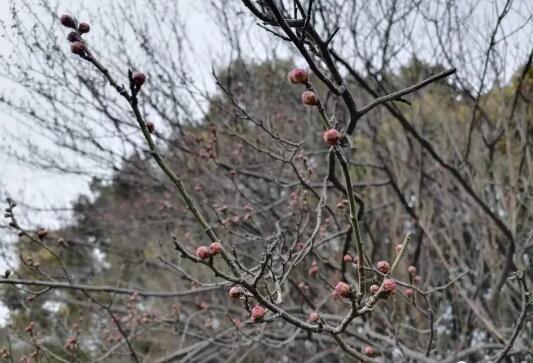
[(105, 289), (397, 96), (526, 303)]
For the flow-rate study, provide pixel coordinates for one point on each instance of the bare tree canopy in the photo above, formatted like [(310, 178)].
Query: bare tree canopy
[(318, 181)]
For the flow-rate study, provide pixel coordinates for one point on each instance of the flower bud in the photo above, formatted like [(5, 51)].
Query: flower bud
[(314, 317), (215, 248), (309, 98), (331, 137), (84, 28), (313, 270), (235, 292), (258, 313), (73, 37), (138, 78), (389, 285), (150, 127), (68, 21), (298, 76), (369, 351), (42, 232), (77, 47), (343, 289), (203, 252), (383, 267)]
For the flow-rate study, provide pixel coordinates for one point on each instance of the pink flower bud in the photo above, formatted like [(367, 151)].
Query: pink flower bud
[(374, 289), (347, 258), (258, 313), (343, 289), (389, 285), (383, 267), (29, 328), (313, 271), (369, 351), (298, 76), (314, 317), (215, 248), (42, 232), (309, 98), (398, 248), (408, 292), (412, 270), (203, 252), (331, 137), (235, 292)]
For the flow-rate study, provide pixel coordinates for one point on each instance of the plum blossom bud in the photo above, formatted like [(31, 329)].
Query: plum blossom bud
[(258, 313), (369, 351), (298, 76), (383, 266), (138, 78), (343, 289), (331, 137), (313, 270), (73, 37), (389, 285), (67, 21), (215, 248), (150, 127), (235, 292), (42, 232), (398, 248), (314, 317), (84, 28), (77, 47), (203, 252), (309, 98), (30, 327)]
